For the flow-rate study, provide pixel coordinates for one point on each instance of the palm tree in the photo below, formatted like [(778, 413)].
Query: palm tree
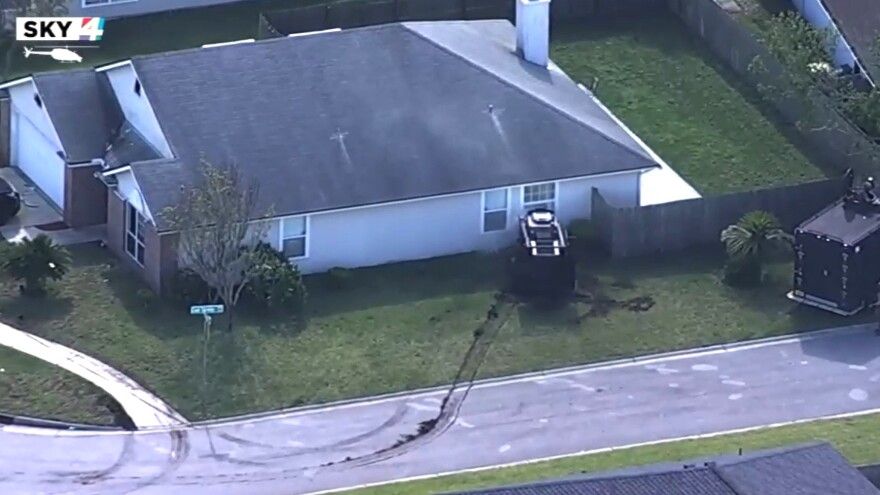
[(34, 261), (755, 236), (749, 242)]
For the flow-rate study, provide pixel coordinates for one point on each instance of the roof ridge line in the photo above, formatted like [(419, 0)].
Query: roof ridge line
[(507, 83)]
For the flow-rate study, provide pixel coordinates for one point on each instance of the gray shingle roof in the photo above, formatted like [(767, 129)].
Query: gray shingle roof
[(859, 21), (378, 114), (128, 146), (809, 469), (82, 109)]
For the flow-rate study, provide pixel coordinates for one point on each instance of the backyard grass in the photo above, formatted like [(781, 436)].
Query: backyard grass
[(31, 387), (396, 327), (856, 438), (694, 112)]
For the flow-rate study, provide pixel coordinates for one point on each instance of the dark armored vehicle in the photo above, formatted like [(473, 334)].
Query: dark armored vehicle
[(837, 253), (542, 265)]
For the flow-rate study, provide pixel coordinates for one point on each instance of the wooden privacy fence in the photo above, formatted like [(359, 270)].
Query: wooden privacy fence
[(352, 14), (840, 143), (642, 230)]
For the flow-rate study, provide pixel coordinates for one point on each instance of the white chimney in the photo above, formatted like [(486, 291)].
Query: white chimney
[(533, 31)]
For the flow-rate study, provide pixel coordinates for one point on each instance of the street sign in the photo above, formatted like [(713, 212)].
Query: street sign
[(206, 309)]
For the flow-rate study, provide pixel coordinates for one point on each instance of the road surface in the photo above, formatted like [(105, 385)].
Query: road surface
[(500, 422)]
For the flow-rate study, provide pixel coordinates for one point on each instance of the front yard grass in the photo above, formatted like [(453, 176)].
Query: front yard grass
[(394, 328), (689, 108), (31, 387), (855, 438)]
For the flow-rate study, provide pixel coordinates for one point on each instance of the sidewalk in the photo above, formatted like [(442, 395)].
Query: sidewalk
[(145, 409)]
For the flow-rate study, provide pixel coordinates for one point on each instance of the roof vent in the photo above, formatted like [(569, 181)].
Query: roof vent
[(298, 35), (227, 43)]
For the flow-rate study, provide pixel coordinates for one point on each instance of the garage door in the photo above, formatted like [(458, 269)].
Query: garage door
[(36, 156)]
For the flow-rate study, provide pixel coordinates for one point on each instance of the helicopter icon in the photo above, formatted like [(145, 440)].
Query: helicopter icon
[(61, 54)]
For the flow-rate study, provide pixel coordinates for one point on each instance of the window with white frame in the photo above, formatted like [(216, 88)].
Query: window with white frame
[(495, 204), (539, 196), (294, 237), (135, 225)]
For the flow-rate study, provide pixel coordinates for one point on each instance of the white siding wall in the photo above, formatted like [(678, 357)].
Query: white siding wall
[(137, 108), (22, 98), (130, 192), (815, 13), (436, 226)]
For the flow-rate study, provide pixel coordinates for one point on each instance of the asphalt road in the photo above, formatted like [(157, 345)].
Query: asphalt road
[(499, 422)]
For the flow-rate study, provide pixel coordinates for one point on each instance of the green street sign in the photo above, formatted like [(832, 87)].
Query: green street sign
[(206, 309)]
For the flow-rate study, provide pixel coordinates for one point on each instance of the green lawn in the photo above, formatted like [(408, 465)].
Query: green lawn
[(397, 327), (856, 438), (32, 387), (691, 110)]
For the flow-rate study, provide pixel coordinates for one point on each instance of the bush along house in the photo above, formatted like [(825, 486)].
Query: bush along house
[(373, 145)]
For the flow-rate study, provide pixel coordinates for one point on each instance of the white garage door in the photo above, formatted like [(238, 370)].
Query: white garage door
[(36, 156)]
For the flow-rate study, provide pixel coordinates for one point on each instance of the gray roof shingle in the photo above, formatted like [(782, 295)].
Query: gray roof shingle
[(807, 469), (377, 114), (83, 110), (859, 21), (128, 146)]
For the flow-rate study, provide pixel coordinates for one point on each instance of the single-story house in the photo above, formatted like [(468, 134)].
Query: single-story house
[(380, 144), (807, 469), (857, 27)]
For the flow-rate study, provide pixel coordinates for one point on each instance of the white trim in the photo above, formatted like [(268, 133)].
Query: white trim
[(127, 232), (143, 202), (55, 138), (16, 82), (483, 210), (522, 194), (113, 65), (106, 4), (115, 171), (227, 43), (309, 33), (281, 238)]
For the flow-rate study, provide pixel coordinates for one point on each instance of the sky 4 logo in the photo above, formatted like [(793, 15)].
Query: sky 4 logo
[(59, 28)]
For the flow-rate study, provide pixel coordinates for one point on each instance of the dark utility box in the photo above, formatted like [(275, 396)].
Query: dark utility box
[(837, 258)]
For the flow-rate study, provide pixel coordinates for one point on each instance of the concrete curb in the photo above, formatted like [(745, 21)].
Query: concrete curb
[(746, 344)]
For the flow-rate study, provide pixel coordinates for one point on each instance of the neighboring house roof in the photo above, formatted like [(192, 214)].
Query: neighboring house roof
[(859, 22), (83, 110), (809, 469), (376, 114)]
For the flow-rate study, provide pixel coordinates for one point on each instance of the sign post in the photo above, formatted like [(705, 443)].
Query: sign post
[(206, 310)]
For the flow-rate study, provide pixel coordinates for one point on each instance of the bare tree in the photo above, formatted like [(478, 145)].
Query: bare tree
[(215, 221), (828, 99), (9, 11)]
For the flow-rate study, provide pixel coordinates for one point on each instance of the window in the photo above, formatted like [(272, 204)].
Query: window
[(495, 210), (38, 101), (135, 223), (539, 196), (137, 87), (294, 237)]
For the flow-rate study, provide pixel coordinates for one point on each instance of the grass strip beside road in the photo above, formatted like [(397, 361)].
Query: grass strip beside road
[(857, 438), (31, 387)]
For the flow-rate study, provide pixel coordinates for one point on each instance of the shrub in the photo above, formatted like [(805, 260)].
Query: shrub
[(339, 278), (277, 282), (188, 287), (35, 261), (742, 272)]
